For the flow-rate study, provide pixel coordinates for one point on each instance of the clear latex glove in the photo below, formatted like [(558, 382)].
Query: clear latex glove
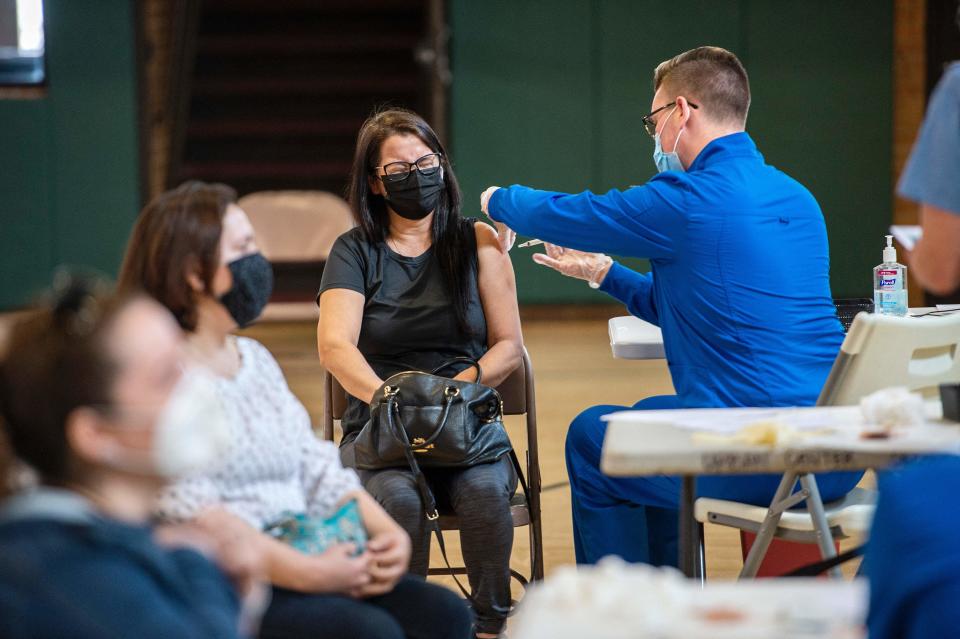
[(506, 235), (591, 267), (485, 199)]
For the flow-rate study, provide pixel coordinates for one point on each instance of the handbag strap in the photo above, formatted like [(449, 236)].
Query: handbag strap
[(393, 415), (461, 360), (426, 495)]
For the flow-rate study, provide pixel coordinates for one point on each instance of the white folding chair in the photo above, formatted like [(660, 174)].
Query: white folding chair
[(879, 351), (295, 231)]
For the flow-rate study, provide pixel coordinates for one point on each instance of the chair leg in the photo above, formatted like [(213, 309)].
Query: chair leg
[(819, 517), (768, 528), (701, 565), (536, 522), (536, 550)]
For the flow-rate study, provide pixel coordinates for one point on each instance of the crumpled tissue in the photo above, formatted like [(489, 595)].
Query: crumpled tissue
[(894, 407)]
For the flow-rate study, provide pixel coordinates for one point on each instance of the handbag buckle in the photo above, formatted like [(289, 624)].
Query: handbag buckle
[(419, 447), (451, 391), (496, 417), (391, 391), (433, 516)]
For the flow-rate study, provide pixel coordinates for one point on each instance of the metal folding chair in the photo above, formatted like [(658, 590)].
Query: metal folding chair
[(519, 398)]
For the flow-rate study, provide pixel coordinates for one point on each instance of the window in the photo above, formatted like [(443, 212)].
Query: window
[(21, 42)]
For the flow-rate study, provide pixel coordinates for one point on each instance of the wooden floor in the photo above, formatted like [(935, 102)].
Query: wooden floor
[(574, 369)]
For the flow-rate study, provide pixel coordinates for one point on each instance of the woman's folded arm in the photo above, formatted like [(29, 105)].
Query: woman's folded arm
[(338, 329)]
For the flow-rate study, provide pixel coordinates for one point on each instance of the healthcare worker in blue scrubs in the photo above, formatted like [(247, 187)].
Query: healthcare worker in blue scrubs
[(932, 178), (739, 283), (913, 559)]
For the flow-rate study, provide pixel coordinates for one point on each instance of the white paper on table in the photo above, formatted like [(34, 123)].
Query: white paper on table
[(924, 439), (730, 421), (906, 234)]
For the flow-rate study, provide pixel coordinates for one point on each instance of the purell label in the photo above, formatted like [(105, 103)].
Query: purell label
[(888, 278)]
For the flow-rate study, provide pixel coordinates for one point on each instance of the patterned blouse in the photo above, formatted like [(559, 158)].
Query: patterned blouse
[(275, 463)]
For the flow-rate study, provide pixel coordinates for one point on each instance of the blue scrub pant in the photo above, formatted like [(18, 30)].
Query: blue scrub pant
[(637, 519)]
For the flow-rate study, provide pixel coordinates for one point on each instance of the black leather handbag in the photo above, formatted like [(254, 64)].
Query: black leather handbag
[(443, 423), (422, 419)]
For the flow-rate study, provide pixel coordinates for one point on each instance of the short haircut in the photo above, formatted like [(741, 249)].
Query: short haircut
[(57, 359), (178, 233), (713, 78)]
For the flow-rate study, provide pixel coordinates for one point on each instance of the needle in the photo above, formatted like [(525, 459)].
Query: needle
[(530, 243)]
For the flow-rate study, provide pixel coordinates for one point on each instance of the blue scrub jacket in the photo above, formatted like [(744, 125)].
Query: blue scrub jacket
[(739, 275)]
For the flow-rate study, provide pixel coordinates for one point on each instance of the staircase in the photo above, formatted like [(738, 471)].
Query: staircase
[(280, 88)]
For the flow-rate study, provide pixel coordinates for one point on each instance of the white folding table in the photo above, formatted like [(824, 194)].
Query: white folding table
[(634, 338), (641, 443)]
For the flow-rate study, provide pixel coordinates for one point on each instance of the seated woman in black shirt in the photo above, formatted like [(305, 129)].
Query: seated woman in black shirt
[(413, 286)]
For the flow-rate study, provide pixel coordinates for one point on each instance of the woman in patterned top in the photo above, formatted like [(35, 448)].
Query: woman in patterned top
[(193, 249)]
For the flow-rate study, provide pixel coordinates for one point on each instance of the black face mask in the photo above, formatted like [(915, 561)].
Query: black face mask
[(252, 286), (416, 195)]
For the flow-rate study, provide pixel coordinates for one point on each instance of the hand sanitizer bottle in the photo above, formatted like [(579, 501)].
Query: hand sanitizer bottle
[(890, 283)]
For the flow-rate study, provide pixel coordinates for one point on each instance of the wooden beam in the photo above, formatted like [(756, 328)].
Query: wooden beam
[(909, 101)]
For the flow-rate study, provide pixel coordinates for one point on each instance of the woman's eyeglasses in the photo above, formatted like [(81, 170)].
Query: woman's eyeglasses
[(650, 125), (396, 171)]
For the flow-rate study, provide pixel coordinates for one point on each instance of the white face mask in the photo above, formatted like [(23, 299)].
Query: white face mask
[(190, 435)]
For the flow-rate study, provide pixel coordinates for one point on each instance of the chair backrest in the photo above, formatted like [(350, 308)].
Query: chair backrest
[(517, 392), (297, 226), (880, 351)]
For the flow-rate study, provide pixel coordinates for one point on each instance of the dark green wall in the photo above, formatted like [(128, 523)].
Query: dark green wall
[(69, 179), (549, 93)]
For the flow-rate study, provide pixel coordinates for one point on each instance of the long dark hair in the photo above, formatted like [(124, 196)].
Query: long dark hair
[(453, 241)]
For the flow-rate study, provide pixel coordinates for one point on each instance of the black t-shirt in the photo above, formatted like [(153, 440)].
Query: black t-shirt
[(409, 322)]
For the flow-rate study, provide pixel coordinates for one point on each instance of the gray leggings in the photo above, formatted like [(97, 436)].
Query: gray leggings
[(480, 496)]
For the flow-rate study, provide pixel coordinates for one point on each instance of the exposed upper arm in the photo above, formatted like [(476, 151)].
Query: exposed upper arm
[(498, 288), (341, 314), (936, 260)]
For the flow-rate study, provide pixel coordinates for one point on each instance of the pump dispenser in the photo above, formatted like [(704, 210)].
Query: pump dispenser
[(890, 283)]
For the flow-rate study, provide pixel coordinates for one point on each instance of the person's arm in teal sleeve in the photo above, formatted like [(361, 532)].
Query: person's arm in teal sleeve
[(634, 289), (643, 221)]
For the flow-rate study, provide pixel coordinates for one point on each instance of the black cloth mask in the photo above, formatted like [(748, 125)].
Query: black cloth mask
[(252, 286), (416, 195)]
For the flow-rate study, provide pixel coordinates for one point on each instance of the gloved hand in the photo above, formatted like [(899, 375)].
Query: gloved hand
[(592, 267), (506, 235), (485, 199)]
